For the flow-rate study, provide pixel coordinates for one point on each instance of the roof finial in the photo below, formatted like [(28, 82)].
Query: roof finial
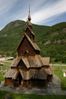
[(29, 16)]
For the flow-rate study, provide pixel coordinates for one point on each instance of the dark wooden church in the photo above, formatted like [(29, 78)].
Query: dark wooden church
[(29, 68)]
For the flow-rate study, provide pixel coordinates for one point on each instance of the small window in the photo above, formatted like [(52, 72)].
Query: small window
[(26, 52)]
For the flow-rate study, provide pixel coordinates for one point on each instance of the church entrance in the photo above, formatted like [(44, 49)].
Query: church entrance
[(17, 81)]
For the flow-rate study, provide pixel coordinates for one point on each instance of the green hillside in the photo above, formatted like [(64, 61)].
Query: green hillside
[(51, 40)]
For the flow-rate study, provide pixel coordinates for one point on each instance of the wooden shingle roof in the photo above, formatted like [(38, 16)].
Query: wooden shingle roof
[(12, 73), (32, 61), (48, 71), (36, 61), (33, 44), (30, 30), (45, 60), (15, 62)]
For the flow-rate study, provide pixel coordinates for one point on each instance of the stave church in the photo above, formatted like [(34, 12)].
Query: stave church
[(29, 68)]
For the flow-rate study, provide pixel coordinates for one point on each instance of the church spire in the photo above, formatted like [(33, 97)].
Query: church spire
[(29, 16), (29, 19)]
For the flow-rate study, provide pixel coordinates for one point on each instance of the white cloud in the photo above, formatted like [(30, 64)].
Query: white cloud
[(43, 14), (40, 10), (5, 5)]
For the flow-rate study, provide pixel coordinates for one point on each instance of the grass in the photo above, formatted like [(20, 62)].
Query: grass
[(4, 94), (3, 68), (37, 97), (58, 70), (1, 76)]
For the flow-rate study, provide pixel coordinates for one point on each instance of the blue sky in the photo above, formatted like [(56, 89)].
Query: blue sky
[(43, 12)]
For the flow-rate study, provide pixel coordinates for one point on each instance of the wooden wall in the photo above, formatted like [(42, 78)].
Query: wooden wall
[(25, 46), (8, 81)]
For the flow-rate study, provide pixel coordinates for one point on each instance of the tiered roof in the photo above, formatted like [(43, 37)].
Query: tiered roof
[(32, 62)]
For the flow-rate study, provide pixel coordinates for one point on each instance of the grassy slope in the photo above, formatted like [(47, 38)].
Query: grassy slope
[(11, 36), (46, 37), (4, 66), (59, 70), (25, 96)]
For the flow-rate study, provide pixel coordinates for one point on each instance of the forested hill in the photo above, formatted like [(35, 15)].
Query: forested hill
[(51, 40)]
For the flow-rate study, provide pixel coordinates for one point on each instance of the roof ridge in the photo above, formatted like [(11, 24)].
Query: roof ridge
[(30, 30), (32, 43)]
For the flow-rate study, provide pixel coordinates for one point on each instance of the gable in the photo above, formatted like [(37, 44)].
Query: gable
[(21, 65), (25, 47)]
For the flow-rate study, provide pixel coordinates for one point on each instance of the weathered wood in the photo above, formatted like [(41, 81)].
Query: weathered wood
[(32, 70), (25, 48)]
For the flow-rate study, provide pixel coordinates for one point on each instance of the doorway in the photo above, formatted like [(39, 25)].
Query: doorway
[(17, 81)]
